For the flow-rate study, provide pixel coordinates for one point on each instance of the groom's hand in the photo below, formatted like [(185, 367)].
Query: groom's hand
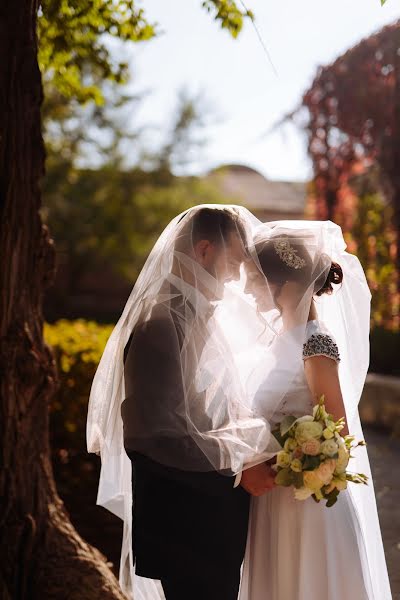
[(258, 480)]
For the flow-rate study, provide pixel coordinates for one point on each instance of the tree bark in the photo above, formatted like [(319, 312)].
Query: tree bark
[(42, 556)]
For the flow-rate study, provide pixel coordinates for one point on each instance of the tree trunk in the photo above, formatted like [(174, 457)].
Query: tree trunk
[(42, 556)]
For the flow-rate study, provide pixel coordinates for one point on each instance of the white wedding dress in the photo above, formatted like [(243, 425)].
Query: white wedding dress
[(301, 550)]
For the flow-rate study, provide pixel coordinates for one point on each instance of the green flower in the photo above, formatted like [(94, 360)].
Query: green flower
[(283, 459), (307, 430), (296, 465), (290, 445)]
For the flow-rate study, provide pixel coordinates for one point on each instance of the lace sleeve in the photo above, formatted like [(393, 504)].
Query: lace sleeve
[(321, 344)]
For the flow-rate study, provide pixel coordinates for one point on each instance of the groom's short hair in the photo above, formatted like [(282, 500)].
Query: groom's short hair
[(215, 225)]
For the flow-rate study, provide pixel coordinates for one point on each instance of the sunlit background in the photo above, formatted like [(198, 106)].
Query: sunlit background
[(245, 91), (297, 117)]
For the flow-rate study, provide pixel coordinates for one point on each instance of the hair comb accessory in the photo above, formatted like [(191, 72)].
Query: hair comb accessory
[(288, 254)]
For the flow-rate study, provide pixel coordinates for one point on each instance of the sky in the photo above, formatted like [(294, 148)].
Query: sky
[(244, 92)]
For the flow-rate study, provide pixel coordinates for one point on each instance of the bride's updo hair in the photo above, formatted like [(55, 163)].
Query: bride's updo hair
[(335, 276), (290, 261)]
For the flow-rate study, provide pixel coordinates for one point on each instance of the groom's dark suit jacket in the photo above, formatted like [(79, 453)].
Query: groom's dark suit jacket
[(185, 522)]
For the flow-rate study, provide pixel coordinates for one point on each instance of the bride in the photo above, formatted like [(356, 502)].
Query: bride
[(313, 301)]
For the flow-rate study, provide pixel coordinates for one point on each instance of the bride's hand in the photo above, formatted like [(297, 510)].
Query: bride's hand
[(258, 480)]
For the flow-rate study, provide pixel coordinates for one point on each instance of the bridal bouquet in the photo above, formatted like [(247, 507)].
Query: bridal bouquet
[(315, 456)]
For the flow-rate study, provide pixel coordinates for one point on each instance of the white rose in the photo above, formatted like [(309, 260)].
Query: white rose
[(290, 445), (307, 430), (329, 447), (302, 493), (283, 459), (311, 447)]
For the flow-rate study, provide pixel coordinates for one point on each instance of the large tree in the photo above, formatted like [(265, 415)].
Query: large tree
[(42, 556), (41, 552)]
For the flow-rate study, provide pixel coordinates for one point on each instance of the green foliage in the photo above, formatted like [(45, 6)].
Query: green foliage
[(109, 213), (228, 13), (298, 479), (332, 497), (74, 52), (311, 462), (375, 242), (277, 435), (284, 477), (80, 42), (116, 216), (286, 424), (74, 40), (91, 134), (77, 346)]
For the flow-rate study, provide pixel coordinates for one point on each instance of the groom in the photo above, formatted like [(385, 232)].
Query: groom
[(189, 524)]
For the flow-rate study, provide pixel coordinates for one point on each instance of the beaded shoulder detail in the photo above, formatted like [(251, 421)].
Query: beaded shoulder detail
[(321, 344)]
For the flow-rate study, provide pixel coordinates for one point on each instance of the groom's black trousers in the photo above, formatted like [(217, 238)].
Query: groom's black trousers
[(185, 588), (189, 530)]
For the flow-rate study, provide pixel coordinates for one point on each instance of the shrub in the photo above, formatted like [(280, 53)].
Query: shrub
[(78, 346)]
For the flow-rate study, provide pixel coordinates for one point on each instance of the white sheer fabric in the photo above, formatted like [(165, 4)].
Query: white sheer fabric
[(300, 549), (236, 355), (202, 422)]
